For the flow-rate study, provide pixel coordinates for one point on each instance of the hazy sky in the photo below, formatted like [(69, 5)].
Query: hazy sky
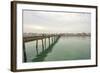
[(56, 22)]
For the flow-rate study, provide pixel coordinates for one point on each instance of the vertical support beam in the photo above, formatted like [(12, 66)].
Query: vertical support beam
[(37, 47), (42, 45), (45, 42), (24, 52), (49, 41), (52, 39)]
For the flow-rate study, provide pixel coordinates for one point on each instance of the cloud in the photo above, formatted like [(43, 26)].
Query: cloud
[(34, 21)]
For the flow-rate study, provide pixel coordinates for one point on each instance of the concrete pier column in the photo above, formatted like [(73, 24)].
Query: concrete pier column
[(42, 45), (24, 53), (45, 43), (37, 46)]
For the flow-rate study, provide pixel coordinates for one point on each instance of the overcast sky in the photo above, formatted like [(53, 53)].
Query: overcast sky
[(56, 22)]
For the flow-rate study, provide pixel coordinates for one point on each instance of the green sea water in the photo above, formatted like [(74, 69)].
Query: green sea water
[(65, 48)]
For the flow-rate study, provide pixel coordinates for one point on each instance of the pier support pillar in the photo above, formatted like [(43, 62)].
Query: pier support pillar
[(37, 46), (45, 43), (42, 45), (49, 41), (24, 52)]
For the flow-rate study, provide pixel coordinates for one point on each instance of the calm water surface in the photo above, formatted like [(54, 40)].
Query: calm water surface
[(66, 48)]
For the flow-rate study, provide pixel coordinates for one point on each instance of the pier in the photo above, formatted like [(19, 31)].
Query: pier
[(51, 39)]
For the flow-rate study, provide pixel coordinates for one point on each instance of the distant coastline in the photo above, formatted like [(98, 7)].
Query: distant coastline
[(61, 34)]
